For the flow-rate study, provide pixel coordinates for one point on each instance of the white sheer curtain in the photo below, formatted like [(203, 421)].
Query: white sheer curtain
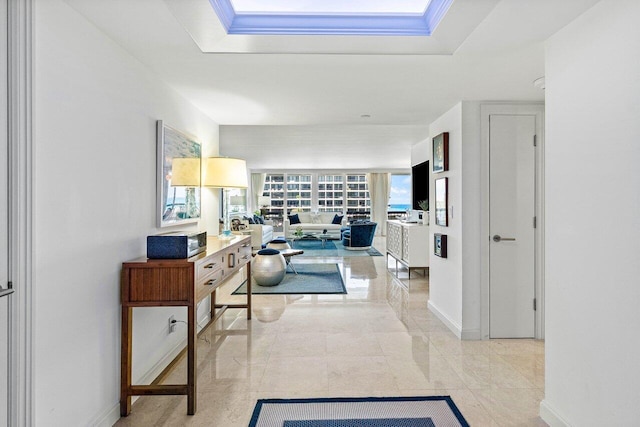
[(257, 187), (379, 191)]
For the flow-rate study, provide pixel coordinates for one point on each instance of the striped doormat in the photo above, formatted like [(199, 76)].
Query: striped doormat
[(427, 411)]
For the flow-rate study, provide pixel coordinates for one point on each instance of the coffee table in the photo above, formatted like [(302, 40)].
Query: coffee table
[(312, 235), (287, 254)]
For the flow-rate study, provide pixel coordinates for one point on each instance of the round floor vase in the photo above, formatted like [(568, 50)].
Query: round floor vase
[(268, 267)]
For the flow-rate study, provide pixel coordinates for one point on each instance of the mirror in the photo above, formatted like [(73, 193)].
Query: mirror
[(178, 178)]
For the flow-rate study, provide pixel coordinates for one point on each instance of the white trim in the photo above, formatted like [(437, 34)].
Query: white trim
[(486, 109), (471, 334), (550, 416), (21, 196), (452, 325)]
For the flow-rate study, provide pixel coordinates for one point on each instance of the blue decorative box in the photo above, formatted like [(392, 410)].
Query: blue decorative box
[(175, 245)]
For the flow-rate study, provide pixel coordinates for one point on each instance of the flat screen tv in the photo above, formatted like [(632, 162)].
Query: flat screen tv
[(420, 174)]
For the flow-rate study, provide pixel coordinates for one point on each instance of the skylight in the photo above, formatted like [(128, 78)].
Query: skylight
[(332, 7), (331, 17)]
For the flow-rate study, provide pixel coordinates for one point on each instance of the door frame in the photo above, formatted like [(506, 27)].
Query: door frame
[(19, 97), (486, 110)]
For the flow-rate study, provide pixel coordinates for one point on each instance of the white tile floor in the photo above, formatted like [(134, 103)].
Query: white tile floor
[(378, 340)]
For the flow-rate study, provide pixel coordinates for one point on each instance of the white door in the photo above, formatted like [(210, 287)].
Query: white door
[(512, 186)]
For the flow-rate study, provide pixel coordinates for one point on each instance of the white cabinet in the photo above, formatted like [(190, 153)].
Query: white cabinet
[(408, 244), (394, 239)]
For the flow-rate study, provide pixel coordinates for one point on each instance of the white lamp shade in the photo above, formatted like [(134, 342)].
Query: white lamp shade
[(225, 172), (264, 200), (185, 172)]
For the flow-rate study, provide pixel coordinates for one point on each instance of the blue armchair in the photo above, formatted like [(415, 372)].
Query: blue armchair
[(359, 237)]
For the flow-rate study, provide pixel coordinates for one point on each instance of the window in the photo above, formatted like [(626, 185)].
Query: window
[(358, 202), (400, 196), (299, 192), (335, 192), (330, 193), (274, 188)]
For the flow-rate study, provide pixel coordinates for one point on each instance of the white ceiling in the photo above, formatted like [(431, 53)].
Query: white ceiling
[(303, 110)]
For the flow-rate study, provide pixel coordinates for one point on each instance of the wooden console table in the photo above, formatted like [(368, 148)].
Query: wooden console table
[(178, 282)]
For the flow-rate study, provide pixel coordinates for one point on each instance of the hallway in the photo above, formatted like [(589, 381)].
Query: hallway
[(378, 340)]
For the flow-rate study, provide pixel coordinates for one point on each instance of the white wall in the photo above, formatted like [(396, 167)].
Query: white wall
[(469, 211), (593, 219), (445, 274), (95, 180), (421, 152), (454, 282)]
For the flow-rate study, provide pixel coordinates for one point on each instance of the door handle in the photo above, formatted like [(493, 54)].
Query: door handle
[(8, 291), (5, 292), (498, 238)]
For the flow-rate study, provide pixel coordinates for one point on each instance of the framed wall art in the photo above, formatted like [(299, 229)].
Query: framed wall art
[(440, 245), (178, 176), (441, 153), (442, 202)]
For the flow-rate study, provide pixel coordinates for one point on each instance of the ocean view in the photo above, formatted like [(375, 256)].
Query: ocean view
[(399, 207)]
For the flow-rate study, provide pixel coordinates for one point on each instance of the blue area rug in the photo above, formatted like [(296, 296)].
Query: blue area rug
[(313, 247), (428, 411), (311, 279), (307, 244)]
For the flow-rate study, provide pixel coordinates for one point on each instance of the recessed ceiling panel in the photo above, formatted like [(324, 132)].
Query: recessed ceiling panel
[(208, 23)]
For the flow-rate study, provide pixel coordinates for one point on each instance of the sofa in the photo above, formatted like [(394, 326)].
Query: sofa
[(261, 234), (315, 222)]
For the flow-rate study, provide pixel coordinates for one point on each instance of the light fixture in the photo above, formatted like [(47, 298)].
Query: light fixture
[(185, 172), (225, 173)]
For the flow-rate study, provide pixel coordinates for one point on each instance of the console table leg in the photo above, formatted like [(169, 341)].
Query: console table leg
[(125, 361), (191, 359), (249, 290)]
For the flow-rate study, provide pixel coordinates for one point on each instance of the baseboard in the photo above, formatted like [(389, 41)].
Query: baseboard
[(453, 326), (471, 334), (108, 418), (550, 416), (112, 415)]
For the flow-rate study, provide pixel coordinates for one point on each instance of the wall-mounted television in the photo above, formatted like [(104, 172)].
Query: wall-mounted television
[(420, 174)]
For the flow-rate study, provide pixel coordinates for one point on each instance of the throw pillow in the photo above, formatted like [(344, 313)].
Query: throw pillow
[(294, 219), (337, 219), (249, 219), (258, 219)]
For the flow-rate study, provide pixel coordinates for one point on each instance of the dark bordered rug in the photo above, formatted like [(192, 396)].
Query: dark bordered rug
[(415, 411)]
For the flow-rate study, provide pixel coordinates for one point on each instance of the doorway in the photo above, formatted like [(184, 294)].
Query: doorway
[(512, 224)]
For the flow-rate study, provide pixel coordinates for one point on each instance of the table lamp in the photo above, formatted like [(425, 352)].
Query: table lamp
[(225, 173)]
